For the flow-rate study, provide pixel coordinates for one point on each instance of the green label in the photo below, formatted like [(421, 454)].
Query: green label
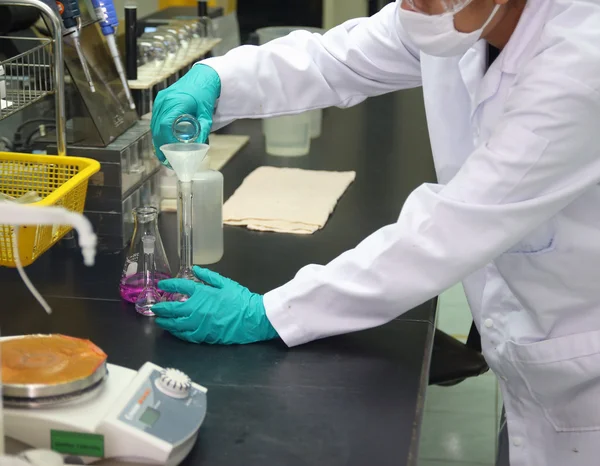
[(77, 443)]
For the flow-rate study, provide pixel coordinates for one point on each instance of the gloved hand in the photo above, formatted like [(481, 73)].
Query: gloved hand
[(220, 312), (196, 94)]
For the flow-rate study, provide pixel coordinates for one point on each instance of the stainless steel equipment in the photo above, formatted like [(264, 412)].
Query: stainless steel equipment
[(98, 118), (36, 396), (94, 118), (43, 72), (128, 178)]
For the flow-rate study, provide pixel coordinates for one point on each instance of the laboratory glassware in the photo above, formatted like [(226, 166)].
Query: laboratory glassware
[(185, 158), (186, 128), (179, 32), (152, 52), (145, 223), (207, 189), (150, 295), (169, 41)]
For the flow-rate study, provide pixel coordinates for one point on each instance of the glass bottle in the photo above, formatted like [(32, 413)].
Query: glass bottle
[(145, 223), (150, 295)]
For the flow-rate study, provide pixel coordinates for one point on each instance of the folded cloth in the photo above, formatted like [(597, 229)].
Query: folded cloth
[(286, 200)]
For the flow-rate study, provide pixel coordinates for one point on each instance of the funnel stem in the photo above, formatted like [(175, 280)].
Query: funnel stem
[(185, 207)]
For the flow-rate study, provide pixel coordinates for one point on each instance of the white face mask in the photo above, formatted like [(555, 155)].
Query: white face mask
[(436, 35)]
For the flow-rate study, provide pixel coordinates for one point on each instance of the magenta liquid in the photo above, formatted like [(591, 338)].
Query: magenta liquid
[(131, 287)]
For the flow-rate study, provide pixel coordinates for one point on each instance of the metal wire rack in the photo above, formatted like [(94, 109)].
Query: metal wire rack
[(32, 75), (27, 76)]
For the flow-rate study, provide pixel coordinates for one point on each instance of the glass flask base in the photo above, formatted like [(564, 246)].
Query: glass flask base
[(145, 309), (180, 297), (146, 300), (131, 287)]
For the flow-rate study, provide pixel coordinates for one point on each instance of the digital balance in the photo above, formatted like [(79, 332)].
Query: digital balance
[(60, 394)]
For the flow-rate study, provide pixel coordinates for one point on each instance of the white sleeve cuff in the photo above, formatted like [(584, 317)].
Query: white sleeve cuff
[(284, 321)]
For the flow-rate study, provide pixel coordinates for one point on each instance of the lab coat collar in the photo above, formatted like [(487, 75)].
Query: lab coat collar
[(522, 43), (481, 85), (472, 69)]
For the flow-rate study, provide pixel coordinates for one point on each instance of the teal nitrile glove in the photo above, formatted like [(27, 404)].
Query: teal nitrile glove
[(220, 312), (196, 94)]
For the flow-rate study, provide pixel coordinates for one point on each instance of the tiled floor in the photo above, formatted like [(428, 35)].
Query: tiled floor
[(460, 423)]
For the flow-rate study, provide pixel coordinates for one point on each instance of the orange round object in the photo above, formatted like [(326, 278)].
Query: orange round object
[(48, 360)]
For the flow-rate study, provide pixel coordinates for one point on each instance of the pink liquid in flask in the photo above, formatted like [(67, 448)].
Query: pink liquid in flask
[(131, 287)]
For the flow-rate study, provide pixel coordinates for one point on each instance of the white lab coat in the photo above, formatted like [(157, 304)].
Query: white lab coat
[(515, 215)]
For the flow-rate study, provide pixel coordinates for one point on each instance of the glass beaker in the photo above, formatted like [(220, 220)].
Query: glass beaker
[(180, 33), (145, 223), (169, 42)]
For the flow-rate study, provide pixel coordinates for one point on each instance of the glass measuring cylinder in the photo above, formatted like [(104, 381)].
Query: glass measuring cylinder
[(185, 159)]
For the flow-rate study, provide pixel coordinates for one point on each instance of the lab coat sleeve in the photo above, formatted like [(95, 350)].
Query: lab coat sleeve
[(303, 71), (544, 153)]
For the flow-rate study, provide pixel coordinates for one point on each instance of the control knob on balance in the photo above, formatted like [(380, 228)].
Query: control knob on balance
[(174, 383)]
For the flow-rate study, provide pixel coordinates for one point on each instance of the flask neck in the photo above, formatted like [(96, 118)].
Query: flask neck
[(185, 208)]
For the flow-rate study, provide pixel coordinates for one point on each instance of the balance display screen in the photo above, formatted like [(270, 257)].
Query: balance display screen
[(149, 417)]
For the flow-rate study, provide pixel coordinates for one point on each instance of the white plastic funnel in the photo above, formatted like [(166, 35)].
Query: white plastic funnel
[(185, 159)]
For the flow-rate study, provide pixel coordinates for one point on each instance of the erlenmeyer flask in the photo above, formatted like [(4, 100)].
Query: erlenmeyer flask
[(145, 223)]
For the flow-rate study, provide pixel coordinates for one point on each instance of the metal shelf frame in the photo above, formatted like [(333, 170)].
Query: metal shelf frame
[(39, 63)]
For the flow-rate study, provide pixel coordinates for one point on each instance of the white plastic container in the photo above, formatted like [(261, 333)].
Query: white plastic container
[(207, 190), (288, 136), (281, 127), (316, 123)]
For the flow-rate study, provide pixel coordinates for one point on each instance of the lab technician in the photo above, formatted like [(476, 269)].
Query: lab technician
[(515, 215)]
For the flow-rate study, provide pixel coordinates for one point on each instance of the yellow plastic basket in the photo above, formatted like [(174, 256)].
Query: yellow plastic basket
[(59, 181)]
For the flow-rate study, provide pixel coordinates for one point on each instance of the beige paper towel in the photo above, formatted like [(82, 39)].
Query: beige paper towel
[(286, 200)]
